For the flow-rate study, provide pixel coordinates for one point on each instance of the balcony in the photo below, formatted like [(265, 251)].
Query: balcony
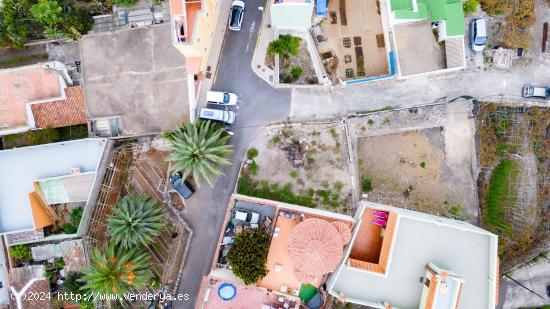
[(184, 13)]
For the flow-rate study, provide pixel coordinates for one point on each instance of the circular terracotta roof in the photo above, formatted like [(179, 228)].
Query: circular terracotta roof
[(344, 230), (315, 246)]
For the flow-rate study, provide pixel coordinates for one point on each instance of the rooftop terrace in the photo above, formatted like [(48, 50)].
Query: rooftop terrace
[(420, 239), (21, 167)]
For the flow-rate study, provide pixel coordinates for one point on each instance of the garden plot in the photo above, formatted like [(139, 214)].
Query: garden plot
[(418, 159), (513, 183), (306, 165), (297, 69)]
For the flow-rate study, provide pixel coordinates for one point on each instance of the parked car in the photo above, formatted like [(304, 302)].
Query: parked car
[(478, 35), (253, 218), (530, 91), (182, 186), (218, 97), (219, 115), (236, 16)]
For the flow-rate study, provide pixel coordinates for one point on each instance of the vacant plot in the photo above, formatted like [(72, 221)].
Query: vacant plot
[(513, 184), (306, 165), (419, 158)]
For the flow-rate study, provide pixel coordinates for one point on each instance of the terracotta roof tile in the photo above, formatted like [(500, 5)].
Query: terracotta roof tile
[(39, 287), (61, 113), (19, 86)]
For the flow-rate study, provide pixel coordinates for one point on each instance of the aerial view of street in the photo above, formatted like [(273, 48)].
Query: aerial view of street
[(274, 154)]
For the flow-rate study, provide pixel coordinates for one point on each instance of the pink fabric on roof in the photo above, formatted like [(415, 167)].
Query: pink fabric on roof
[(315, 246), (344, 230)]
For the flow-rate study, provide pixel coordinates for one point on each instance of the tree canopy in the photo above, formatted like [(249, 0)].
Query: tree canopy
[(248, 255)]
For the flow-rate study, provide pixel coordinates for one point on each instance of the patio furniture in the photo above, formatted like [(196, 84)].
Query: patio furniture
[(333, 17), (381, 214), (379, 222), (346, 42), (356, 40), (349, 73), (380, 41), (283, 289), (278, 268), (347, 58)]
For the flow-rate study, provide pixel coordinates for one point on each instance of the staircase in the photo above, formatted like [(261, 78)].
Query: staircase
[(454, 49)]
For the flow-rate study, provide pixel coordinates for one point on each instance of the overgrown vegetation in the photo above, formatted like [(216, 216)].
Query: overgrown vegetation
[(248, 255), (45, 136), (470, 6), (508, 137), (496, 7), (21, 252), (515, 32), (366, 184), (24, 20)]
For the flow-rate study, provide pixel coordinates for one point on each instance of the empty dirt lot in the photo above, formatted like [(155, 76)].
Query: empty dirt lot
[(306, 165), (419, 159)]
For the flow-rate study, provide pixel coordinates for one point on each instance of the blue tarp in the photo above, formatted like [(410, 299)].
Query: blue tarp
[(321, 7)]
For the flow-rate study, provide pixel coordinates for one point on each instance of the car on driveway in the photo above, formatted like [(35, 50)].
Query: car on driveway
[(219, 115), (183, 187), (530, 91), (224, 98), (253, 218), (478, 34), (236, 16)]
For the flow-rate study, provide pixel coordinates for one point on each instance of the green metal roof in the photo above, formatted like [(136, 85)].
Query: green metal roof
[(449, 10)]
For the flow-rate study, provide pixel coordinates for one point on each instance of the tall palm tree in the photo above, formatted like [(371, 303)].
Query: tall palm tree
[(199, 149), (135, 220), (115, 270)]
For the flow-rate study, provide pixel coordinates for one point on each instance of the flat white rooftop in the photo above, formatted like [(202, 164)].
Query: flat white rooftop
[(469, 253), (19, 167)]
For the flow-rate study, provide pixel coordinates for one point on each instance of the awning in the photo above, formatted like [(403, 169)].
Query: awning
[(321, 7)]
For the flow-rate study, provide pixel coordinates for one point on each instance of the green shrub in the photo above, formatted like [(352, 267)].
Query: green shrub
[(76, 215), (370, 122), (366, 184), (276, 139), (44, 136), (296, 72), (248, 255), (470, 6), (254, 167), (284, 45), (21, 252), (69, 228), (294, 174), (125, 2), (251, 153), (287, 79), (423, 164)]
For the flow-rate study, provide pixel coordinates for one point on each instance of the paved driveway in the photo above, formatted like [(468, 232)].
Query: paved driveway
[(260, 105)]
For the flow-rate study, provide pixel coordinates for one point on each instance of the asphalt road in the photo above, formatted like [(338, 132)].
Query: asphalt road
[(259, 105)]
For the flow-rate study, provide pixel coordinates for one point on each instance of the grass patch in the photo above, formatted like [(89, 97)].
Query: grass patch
[(370, 111), (251, 153), (294, 174), (273, 191), (366, 184), (499, 195), (45, 136)]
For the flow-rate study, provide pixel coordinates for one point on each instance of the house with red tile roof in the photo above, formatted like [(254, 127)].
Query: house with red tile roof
[(26, 285), (39, 96), (400, 258)]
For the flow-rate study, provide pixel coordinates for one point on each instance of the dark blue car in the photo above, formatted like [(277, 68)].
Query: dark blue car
[(182, 186)]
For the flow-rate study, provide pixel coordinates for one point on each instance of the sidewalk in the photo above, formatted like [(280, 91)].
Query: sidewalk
[(215, 52), (267, 34)]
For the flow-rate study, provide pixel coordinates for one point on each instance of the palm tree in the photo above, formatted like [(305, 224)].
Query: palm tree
[(114, 270), (136, 220), (199, 149)]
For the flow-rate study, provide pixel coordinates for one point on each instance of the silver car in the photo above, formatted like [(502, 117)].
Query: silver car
[(236, 16), (478, 34)]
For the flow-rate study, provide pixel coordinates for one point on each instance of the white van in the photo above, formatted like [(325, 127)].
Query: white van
[(225, 98), (217, 115)]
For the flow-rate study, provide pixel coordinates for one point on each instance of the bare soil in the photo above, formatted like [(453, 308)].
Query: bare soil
[(312, 158)]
